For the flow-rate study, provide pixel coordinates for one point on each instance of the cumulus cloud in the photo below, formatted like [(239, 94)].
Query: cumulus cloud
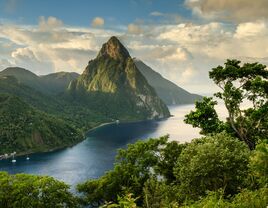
[(134, 29), (49, 24), (251, 30), (97, 22), (181, 52), (233, 10), (50, 46), (187, 74)]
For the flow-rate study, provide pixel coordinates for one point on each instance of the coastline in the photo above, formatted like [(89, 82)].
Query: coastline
[(100, 125), (56, 148), (84, 137)]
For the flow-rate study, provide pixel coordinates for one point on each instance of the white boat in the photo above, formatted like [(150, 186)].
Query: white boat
[(27, 158), (13, 155)]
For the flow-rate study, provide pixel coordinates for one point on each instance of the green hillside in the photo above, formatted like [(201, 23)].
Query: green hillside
[(25, 129)]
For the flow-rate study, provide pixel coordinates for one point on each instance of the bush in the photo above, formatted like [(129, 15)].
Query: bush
[(23, 190), (212, 163), (245, 199), (259, 163)]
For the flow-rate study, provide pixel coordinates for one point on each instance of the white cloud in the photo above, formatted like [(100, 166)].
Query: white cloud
[(183, 52), (251, 30), (97, 22), (134, 29), (157, 14), (187, 74), (233, 10), (49, 24)]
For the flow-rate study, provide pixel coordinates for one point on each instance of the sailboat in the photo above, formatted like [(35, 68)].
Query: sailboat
[(13, 160), (13, 156)]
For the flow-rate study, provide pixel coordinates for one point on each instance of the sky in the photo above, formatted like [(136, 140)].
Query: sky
[(180, 39)]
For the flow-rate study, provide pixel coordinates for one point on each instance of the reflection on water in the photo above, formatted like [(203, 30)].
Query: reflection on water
[(95, 155)]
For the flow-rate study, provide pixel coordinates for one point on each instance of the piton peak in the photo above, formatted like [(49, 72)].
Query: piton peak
[(114, 49)]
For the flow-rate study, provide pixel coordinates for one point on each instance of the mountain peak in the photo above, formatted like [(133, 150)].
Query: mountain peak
[(113, 48)]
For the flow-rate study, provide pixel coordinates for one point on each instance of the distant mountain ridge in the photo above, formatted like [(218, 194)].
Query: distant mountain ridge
[(169, 92), (53, 83), (112, 81)]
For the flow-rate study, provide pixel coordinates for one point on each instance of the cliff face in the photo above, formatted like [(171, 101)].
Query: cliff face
[(113, 84), (169, 92)]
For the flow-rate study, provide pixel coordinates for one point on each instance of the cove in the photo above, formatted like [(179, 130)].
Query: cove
[(96, 154)]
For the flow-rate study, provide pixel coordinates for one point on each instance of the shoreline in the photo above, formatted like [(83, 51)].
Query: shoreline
[(100, 125), (85, 133), (2, 157)]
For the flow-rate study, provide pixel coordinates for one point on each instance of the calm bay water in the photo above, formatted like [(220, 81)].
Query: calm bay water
[(95, 155)]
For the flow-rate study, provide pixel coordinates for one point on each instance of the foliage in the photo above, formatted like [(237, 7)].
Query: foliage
[(134, 167), (244, 199), (31, 121), (212, 163), (31, 191), (158, 194), (25, 129), (126, 201), (259, 163), (205, 117), (246, 83)]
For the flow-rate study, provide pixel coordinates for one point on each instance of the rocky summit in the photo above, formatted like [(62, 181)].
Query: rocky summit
[(112, 84)]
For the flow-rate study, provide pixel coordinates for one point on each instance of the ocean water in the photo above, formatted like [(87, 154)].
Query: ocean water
[(95, 155)]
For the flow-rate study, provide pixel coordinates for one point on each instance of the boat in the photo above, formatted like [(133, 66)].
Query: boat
[(13, 156), (27, 158), (117, 121)]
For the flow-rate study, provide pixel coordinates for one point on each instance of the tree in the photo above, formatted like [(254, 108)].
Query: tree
[(212, 163), (23, 190), (134, 167), (205, 117), (126, 201), (259, 163), (238, 84)]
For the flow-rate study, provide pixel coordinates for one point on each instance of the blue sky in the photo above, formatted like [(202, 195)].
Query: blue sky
[(80, 12), (180, 39)]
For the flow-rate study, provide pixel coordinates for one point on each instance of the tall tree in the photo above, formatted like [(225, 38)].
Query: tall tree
[(239, 84)]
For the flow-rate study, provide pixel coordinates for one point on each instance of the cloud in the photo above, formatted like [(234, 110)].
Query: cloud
[(134, 29), (4, 63), (181, 52), (157, 14), (26, 58), (251, 30), (97, 22), (187, 74), (50, 46), (230, 10), (49, 24)]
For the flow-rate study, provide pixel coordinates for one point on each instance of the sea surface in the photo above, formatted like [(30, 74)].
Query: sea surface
[(95, 155)]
